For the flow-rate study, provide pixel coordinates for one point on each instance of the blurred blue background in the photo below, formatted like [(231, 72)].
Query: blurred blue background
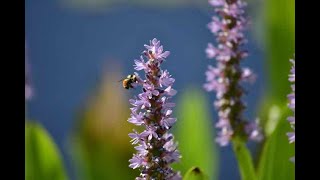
[(70, 45)]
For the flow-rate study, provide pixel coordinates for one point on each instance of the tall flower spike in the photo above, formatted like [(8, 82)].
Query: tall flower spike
[(226, 77), (152, 109), (291, 98)]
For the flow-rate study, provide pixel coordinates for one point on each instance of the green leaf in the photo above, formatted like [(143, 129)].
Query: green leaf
[(43, 160), (280, 44), (195, 173), (244, 159), (194, 133), (274, 161)]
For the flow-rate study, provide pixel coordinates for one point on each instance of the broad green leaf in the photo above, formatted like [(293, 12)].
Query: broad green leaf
[(195, 173), (280, 44), (43, 159), (194, 133), (244, 159), (274, 161)]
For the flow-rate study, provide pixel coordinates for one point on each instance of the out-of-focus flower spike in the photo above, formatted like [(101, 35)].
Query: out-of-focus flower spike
[(226, 77)]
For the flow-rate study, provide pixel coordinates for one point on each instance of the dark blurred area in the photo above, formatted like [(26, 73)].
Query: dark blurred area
[(75, 48)]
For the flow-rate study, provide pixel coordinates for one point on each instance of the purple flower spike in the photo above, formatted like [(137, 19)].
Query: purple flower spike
[(152, 110), (291, 98), (226, 77)]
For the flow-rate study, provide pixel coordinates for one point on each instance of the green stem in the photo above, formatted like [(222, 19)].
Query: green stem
[(244, 159)]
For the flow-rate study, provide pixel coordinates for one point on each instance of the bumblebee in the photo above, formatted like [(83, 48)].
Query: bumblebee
[(127, 82)]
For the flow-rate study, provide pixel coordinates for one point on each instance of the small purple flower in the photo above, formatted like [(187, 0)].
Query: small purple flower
[(140, 64), (136, 137), (215, 25), (224, 136), (247, 75), (168, 122), (292, 76), (291, 98), (211, 51), (152, 110), (142, 148), (253, 130), (166, 79), (170, 92), (216, 2), (137, 161), (156, 51), (136, 119), (291, 136), (225, 79), (150, 133)]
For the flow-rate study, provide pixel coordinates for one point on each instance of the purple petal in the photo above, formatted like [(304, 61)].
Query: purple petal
[(170, 91), (211, 51), (140, 64), (136, 162), (291, 136), (216, 2)]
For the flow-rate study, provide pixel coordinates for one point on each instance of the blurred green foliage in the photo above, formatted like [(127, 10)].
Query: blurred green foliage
[(100, 144), (274, 161), (43, 160), (194, 131), (245, 163), (195, 173), (280, 44)]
